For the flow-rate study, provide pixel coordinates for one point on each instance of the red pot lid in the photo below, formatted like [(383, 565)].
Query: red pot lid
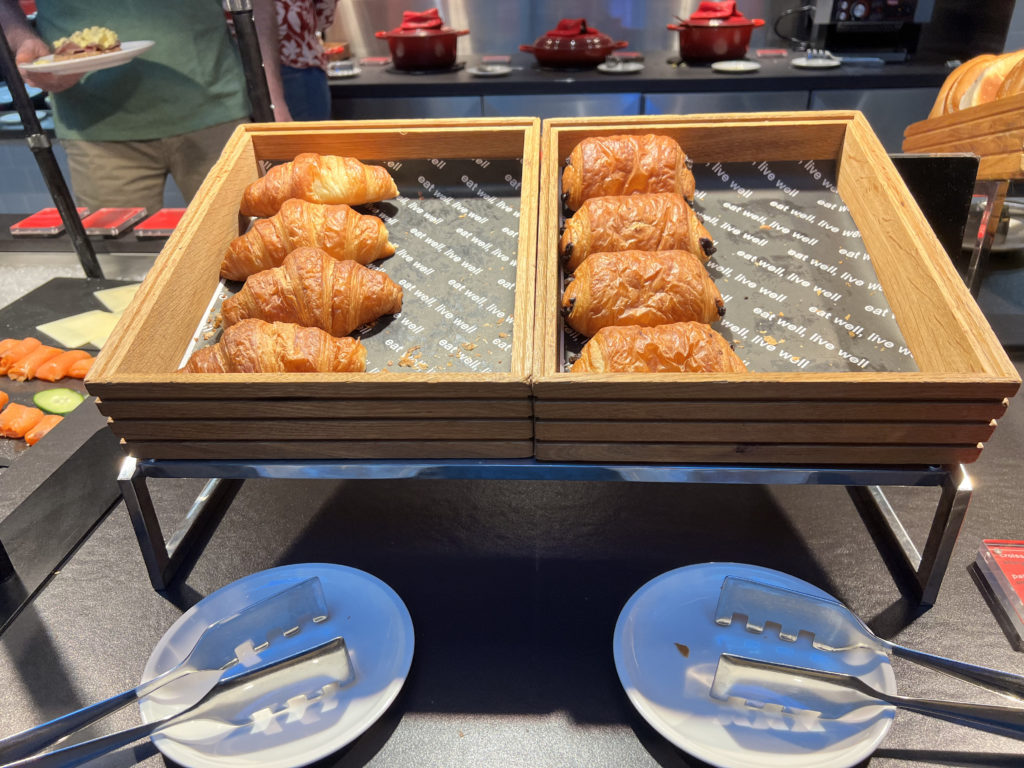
[(421, 24), (572, 35), (721, 13)]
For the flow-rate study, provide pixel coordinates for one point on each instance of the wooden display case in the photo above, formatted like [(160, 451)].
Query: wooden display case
[(162, 414), (940, 414)]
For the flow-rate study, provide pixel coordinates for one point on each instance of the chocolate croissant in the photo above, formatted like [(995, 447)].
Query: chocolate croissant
[(662, 222), (625, 165), (254, 346), (337, 229), (327, 179), (678, 347), (640, 288), (312, 289)]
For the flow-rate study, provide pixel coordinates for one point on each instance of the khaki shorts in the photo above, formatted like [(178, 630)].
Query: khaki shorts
[(133, 173)]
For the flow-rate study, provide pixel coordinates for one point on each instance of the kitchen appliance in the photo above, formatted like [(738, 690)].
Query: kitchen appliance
[(888, 29)]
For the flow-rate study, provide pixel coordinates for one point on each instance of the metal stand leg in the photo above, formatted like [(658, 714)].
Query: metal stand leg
[(163, 558), (994, 193), (928, 569)]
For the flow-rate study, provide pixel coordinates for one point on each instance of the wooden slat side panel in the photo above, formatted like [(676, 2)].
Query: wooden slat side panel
[(846, 433), (242, 408), (940, 320), (524, 312), (768, 411), (548, 327), (156, 329), (711, 453), (1004, 114), (1001, 167), (324, 429), (962, 139), (323, 449)]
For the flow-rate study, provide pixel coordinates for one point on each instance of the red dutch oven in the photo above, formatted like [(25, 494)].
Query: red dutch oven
[(422, 41), (716, 31), (572, 44)]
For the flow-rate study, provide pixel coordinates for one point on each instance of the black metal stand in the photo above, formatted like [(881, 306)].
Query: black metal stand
[(39, 143), (252, 60)]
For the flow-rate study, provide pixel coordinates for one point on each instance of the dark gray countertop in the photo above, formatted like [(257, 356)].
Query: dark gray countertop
[(658, 76)]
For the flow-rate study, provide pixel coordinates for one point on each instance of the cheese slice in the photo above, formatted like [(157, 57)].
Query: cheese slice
[(117, 299), (78, 330)]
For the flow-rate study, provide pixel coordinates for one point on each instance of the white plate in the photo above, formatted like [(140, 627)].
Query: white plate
[(377, 630), (804, 63), (625, 68), (671, 691), (735, 66), (82, 64), (489, 70)]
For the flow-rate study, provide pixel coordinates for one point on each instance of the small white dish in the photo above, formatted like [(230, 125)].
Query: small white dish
[(622, 68), (378, 634), (805, 63), (343, 73), (489, 70), (735, 66), (82, 64), (666, 648)]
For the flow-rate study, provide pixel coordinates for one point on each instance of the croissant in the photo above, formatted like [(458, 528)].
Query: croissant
[(640, 288), (312, 289), (337, 229), (662, 222), (678, 347), (625, 165), (254, 346), (328, 179)]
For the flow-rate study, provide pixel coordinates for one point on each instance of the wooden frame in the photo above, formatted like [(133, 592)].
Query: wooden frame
[(938, 415), (162, 414)]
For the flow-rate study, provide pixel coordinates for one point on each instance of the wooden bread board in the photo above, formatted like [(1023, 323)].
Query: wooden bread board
[(993, 131), (940, 414), (162, 414)]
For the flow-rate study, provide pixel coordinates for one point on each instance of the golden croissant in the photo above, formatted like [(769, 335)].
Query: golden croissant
[(661, 222), (678, 347), (640, 288), (312, 289), (625, 165), (337, 229), (328, 179), (254, 346)]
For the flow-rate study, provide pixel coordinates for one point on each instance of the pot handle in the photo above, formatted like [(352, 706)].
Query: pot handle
[(461, 32), (380, 34), (758, 22), (619, 44), (676, 27), (527, 49)]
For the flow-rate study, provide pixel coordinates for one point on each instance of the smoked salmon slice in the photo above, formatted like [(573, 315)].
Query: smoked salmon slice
[(16, 420), (48, 422), (81, 368), (26, 368), (58, 367), (6, 344), (3, 399), (17, 351)]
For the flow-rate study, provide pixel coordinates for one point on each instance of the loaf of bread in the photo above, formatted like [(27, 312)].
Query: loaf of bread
[(980, 80)]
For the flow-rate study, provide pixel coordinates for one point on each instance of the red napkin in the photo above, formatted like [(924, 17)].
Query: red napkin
[(421, 19), (571, 28), (721, 9)]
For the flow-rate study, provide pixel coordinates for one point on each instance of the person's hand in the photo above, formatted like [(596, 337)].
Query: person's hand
[(281, 113), (30, 50)]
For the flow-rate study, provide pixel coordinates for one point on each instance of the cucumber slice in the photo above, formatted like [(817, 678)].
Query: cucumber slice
[(59, 400)]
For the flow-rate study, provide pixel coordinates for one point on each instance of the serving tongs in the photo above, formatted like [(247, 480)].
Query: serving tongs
[(808, 694), (834, 627), (256, 638)]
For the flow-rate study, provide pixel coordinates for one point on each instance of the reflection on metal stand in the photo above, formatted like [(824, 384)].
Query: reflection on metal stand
[(39, 143), (252, 60), (994, 194), (164, 556)]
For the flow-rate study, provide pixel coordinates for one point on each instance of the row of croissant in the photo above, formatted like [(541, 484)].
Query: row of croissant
[(636, 252), (303, 262)]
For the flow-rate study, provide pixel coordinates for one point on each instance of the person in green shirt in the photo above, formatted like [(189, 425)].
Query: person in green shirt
[(169, 110)]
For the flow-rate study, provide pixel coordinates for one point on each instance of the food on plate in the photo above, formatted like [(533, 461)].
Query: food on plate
[(44, 425), (980, 80), (625, 165), (81, 368), (328, 179), (312, 289), (640, 288), (255, 346), (25, 368), (677, 347), (16, 419), (16, 351), (337, 229), (57, 368), (659, 222), (58, 400), (91, 327), (86, 42)]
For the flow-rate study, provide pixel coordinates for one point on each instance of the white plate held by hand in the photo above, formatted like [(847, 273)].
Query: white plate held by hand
[(81, 64), (378, 634), (667, 646)]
